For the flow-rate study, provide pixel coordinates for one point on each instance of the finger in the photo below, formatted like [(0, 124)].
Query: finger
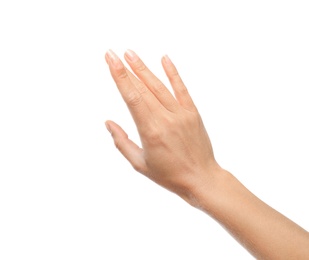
[(133, 98), (151, 101), (180, 90), (131, 151), (151, 81)]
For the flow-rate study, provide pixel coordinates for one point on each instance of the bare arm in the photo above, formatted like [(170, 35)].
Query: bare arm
[(177, 154)]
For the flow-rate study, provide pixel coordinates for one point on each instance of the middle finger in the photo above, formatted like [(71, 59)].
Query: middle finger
[(151, 81)]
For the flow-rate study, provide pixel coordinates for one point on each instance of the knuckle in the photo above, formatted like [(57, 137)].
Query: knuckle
[(118, 145), (174, 73), (192, 118), (169, 122), (159, 87), (134, 98), (183, 90), (142, 89), (154, 138), (140, 66), (121, 73), (138, 167)]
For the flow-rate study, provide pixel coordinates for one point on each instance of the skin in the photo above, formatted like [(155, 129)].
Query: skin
[(177, 154)]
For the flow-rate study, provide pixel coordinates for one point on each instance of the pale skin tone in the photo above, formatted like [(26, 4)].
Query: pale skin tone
[(177, 154)]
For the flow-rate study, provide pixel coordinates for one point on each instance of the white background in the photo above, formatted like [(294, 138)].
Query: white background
[(66, 192)]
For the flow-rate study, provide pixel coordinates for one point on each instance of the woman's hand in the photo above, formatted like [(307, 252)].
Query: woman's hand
[(176, 151), (177, 154)]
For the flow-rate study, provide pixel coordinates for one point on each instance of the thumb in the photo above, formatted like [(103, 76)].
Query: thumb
[(131, 151)]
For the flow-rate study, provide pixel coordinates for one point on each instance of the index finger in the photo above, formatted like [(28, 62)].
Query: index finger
[(132, 97)]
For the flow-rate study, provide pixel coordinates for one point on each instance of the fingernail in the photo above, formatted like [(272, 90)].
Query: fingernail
[(111, 56), (131, 55), (167, 59), (108, 127)]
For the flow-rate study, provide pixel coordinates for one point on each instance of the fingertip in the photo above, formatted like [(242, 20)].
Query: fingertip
[(113, 60), (111, 55), (108, 127), (115, 129), (106, 58), (166, 59), (130, 55)]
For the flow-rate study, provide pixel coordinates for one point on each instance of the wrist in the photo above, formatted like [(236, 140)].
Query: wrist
[(209, 188)]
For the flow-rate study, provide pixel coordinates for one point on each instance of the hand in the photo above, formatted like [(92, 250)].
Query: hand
[(177, 154), (176, 151)]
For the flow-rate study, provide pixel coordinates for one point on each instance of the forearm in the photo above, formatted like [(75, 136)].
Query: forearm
[(263, 231)]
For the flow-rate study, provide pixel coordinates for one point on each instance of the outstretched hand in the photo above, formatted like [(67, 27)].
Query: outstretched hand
[(176, 151), (177, 154)]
